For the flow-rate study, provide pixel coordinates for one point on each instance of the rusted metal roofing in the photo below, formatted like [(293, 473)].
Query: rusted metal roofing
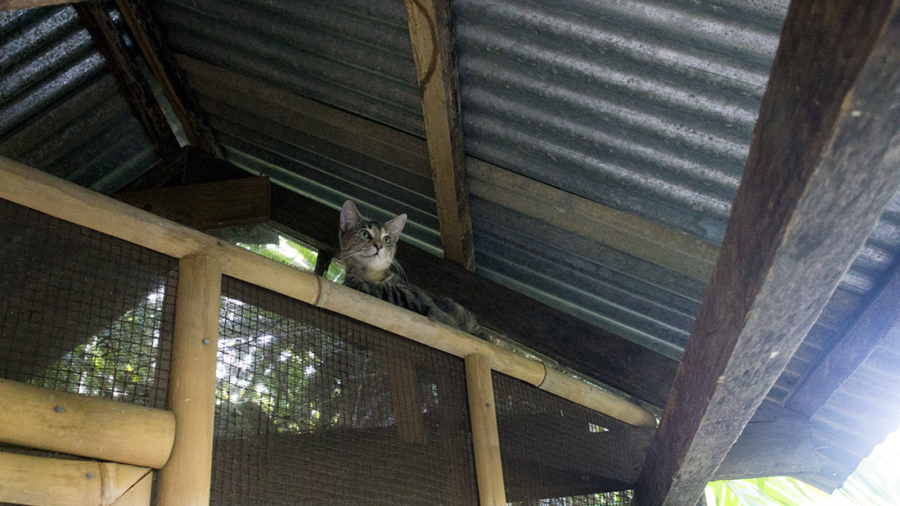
[(60, 110)]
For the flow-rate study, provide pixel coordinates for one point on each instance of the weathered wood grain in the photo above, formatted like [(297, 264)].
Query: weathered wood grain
[(149, 38), (433, 41), (822, 166), (128, 76)]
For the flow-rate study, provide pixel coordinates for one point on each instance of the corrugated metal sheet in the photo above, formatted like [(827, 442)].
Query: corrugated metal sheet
[(644, 106), (859, 416), (60, 110), (352, 54)]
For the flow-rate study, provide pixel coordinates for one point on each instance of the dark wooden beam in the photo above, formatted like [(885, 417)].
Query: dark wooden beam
[(822, 166), (12, 5), (131, 83), (149, 38), (204, 206), (592, 351), (433, 41), (880, 317)]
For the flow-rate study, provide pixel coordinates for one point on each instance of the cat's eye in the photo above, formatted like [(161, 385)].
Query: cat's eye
[(365, 234), (386, 239)]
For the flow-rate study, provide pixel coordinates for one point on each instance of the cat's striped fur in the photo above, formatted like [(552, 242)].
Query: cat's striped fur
[(368, 249)]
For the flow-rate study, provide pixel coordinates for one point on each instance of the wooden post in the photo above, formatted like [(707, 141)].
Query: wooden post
[(405, 396), (485, 438), (50, 482), (186, 477), (86, 426)]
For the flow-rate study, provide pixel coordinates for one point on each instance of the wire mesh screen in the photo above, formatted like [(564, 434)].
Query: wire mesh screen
[(316, 408), (557, 453), (82, 311)]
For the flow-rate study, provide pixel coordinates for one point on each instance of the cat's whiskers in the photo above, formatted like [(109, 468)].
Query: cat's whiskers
[(400, 270)]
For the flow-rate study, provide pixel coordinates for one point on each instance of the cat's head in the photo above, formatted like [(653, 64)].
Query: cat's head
[(368, 247)]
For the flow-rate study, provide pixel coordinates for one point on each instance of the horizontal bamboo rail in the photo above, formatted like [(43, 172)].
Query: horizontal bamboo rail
[(85, 426), (59, 198), (55, 482)]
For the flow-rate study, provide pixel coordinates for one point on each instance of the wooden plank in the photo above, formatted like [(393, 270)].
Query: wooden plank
[(192, 390), (377, 141), (822, 166), (433, 41), (203, 206), (880, 317), (622, 231), (86, 426), (128, 76), (485, 438), (149, 38), (12, 5), (26, 479)]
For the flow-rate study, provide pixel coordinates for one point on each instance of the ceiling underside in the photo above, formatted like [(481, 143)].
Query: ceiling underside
[(645, 107)]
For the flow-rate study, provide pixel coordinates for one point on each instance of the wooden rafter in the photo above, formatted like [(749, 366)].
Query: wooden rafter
[(868, 331), (822, 167), (161, 60), (128, 77), (434, 50)]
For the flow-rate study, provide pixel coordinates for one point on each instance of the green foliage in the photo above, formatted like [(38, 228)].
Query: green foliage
[(287, 252)]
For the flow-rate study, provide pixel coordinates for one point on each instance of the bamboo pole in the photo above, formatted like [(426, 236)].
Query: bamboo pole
[(62, 199), (138, 495), (86, 426), (485, 438), (55, 482), (185, 479)]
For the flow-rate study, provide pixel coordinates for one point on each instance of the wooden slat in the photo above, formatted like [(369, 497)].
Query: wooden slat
[(203, 206), (149, 38), (485, 438), (138, 495), (879, 318), (822, 166), (131, 83), (433, 42)]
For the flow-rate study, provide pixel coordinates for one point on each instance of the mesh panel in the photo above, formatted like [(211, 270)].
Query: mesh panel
[(83, 312), (556, 452), (316, 408)]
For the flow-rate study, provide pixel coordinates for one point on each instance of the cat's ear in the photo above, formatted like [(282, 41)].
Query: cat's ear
[(350, 217), (395, 226)]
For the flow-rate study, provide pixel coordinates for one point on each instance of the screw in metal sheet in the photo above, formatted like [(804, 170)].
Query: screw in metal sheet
[(90, 476), (206, 341), (58, 409)]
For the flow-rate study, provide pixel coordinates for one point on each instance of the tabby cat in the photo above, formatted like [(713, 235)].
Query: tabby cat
[(368, 249)]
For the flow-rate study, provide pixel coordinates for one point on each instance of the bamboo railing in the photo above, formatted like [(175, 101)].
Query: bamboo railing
[(204, 259)]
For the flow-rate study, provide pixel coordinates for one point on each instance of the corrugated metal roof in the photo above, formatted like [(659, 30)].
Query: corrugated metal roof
[(641, 105), (60, 110), (352, 54)]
